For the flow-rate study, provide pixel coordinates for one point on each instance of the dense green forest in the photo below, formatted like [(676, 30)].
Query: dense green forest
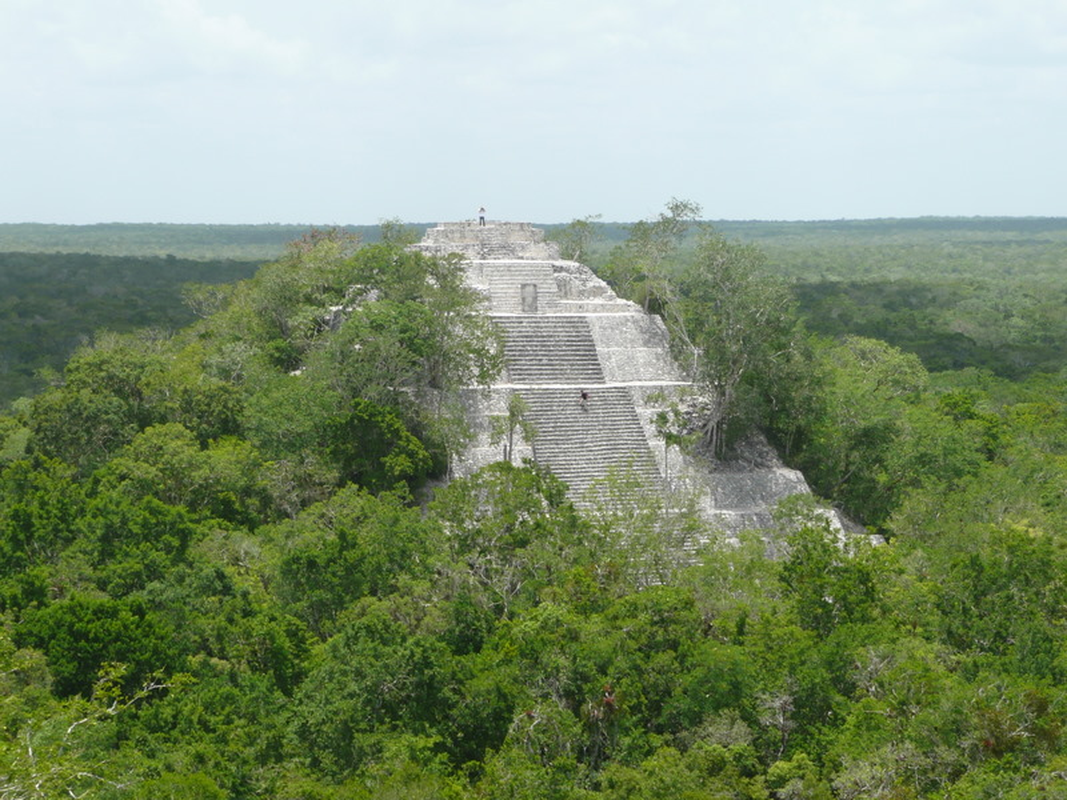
[(984, 293), (230, 567), (52, 302), (237, 242)]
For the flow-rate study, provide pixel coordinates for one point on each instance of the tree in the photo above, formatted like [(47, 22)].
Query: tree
[(102, 403), (40, 509), (378, 323), (637, 269), (348, 547), (182, 392), (225, 480), (131, 542), (639, 537), (827, 580), (377, 354), (289, 298), (672, 427), (218, 729), (79, 426), (733, 328), (734, 583), (289, 419), (414, 347), (1002, 595), (14, 437), (373, 687), (875, 435), (67, 748), (503, 428), (374, 449), (576, 238), (509, 532), (81, 635)]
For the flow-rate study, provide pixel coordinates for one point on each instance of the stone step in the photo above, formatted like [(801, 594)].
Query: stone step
[(550, 349), (581, 444)]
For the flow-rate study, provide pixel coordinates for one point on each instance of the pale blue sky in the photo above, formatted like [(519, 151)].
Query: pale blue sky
[(351, 111)]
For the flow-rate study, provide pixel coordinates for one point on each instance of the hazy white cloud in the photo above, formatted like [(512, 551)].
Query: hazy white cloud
[(219, 43), (347, 111)]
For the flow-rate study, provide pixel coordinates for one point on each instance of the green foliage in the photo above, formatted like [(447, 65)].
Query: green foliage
[(370, 687), (14, 437), (1004, 599), (40, 506), (80, 427), (505, 427), (732, 322), (81, 635), (639, 268), (217, 733), (734, 328), (957, 292), (828, 583), (510, 532), (224, 480), (209, 407), (348, 547), (70, 747), (638, 537), (117, 387), (875, 435), (375, 450), (169, 240), (133, 542), (379, 325), (195, 786), (288, 414), (50, 302), (577, 239)]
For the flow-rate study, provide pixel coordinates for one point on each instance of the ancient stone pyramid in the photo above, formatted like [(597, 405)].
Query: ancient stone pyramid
[(566, 332)]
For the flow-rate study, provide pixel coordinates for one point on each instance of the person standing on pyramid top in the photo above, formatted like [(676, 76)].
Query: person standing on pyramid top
[(481, 216)]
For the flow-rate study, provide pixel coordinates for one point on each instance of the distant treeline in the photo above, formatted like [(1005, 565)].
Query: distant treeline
[(914, 227), (264, 242), (992, 296), (241, 242), (919, 230)]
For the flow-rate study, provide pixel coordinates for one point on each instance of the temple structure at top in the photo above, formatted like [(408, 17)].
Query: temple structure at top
[(594, 371)]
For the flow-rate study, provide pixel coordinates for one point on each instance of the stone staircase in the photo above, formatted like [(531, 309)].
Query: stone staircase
[(550, 349), (583, 444), (550, 360)]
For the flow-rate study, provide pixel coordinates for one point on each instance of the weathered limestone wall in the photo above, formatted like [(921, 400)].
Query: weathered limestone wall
[(633, 348)]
